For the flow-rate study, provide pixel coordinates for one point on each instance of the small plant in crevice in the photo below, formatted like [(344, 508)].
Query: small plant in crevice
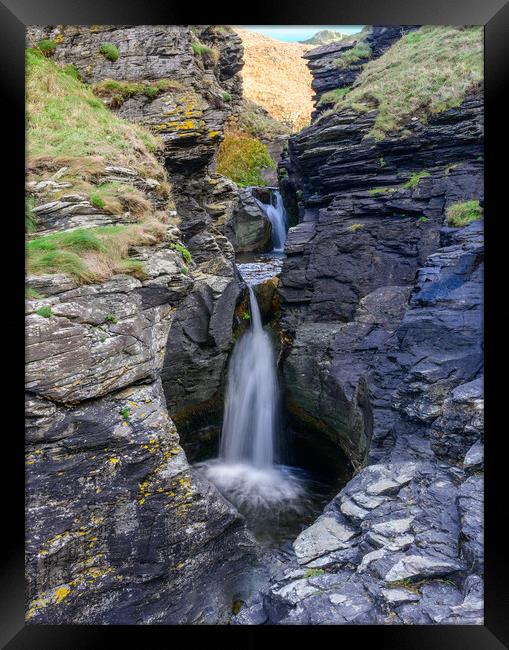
[(414, 180), (32, 294), (381, 161), (355, 226), (313, 573), (423, 219), (110, 318), (109, 51), (44, 311), (246, 315), (227, 97), (186, 255), (125, 413), (206, 53)]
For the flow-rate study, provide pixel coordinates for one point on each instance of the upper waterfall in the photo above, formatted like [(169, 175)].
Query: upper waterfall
[(276, 214)]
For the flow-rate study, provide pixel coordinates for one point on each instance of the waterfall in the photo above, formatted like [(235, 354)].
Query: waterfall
[(249, 423), (276, 214)]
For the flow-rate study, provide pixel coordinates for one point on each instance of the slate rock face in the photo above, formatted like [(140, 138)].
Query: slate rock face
[(251, 231), (189, 118), (120, 529), (383, 304)]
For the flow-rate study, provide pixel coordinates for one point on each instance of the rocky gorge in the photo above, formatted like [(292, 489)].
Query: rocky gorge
[(376, 308)]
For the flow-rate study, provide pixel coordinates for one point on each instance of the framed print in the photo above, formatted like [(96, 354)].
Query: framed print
[(254, 315)]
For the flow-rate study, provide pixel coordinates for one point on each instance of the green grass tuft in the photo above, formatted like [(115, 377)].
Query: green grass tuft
[(110, 51), (355, 54), (227, 97), (200, 49), (110, 318), (45, 311), (47, 47), (30, 219), (96, 200), (313, 573), (414, 180), (461, 214), (186, 255), (333, 96)]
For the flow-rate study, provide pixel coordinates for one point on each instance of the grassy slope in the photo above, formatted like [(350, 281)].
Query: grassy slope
[(426, 71), (68, 126)]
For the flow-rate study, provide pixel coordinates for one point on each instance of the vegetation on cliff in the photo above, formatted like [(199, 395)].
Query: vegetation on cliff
[(426, 71), (242, 158), (66, 120), (69, 129)]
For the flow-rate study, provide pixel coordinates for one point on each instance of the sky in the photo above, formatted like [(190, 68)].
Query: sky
[(292, 33)]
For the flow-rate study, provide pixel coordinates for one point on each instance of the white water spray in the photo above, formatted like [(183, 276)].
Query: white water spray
[(276, 214)]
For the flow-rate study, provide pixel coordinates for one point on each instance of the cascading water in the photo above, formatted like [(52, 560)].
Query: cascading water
[(276, 214), (271, 496), (277, 500), (249, 425)]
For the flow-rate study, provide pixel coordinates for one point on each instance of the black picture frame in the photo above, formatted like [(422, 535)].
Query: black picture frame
[(14, 15)]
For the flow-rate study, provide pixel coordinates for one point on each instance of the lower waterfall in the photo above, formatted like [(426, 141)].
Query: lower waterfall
[(249, 469)]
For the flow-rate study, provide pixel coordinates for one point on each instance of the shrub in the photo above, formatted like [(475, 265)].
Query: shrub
[(461, 214), (356, 53), (47, 47), (242, 158), (109, 51), (45, 311)]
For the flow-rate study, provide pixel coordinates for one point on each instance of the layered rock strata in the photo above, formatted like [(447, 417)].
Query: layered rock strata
[(120, 528)]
